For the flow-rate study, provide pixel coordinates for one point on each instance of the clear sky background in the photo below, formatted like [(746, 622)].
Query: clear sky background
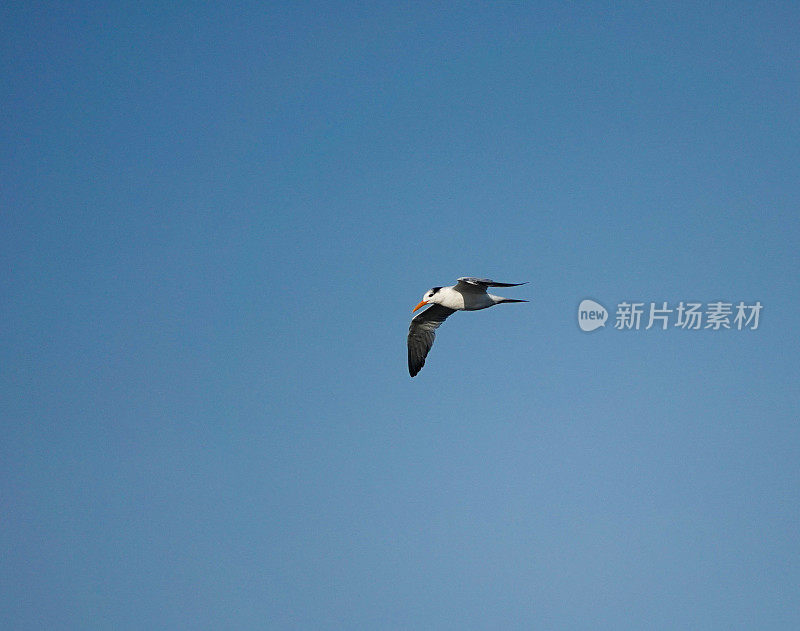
[(214, 223)]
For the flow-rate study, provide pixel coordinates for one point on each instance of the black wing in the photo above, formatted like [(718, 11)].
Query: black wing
[(480, 284), (421, 334)]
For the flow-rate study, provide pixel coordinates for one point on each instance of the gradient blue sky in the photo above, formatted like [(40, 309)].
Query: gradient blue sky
[(214, 222)]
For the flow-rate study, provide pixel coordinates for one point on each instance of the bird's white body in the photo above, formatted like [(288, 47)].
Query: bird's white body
[(461, 300)]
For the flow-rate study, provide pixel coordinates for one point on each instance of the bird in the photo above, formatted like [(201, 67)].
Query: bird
[(468, 294)]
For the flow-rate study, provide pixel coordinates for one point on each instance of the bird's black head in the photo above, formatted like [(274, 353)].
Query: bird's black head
[(428, 297)]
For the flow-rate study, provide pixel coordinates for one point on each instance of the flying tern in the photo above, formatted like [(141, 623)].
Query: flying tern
[(468, 294)]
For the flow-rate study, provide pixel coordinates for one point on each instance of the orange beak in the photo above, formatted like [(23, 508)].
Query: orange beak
[(423, 303)]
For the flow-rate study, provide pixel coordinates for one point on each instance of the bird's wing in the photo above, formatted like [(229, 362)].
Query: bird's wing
[(421, 334), (468, 283)]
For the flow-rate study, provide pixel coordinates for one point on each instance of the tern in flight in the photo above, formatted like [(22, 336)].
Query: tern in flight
[(469, 294)]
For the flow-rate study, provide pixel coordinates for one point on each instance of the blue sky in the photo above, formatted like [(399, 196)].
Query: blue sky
[(215, 222)]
